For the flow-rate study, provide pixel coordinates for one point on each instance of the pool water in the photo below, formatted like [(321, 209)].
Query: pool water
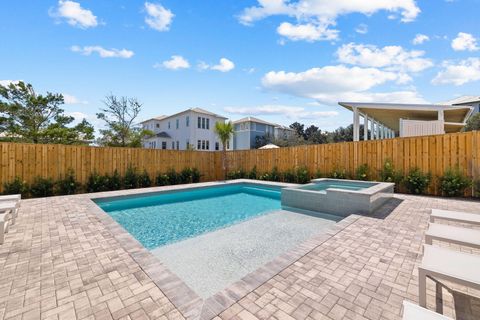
[(164, 218), (344, 185)]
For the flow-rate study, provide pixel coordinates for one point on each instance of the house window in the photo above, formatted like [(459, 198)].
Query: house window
[(188, 144), (228, 144), (187, 121), (203, 123), (164, 145), (217, 146), (199, 123), (203, 144), (208, 124), (178, 145), (173, 145), (158, 125), (168, 124), (208, 145), (177, 123), (199, 145)]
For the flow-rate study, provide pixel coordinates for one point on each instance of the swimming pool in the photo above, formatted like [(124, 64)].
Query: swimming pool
[(337, 184), (162, 218)]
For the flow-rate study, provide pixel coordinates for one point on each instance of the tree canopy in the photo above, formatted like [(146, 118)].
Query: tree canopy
[(473, 123), (119, 115), (26, 116)]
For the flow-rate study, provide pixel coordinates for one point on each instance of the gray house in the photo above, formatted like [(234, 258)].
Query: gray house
[(248, 129)]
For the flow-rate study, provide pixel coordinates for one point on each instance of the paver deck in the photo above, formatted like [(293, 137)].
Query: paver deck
[(66, 259)]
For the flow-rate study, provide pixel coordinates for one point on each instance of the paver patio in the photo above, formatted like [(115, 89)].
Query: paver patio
[(65, 259)]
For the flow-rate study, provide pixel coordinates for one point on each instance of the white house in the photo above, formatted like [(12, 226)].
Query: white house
[(389, 120), (189, 129), (473, 101), (248, 129)]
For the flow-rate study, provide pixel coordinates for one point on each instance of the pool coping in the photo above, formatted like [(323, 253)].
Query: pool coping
[(180, 294)]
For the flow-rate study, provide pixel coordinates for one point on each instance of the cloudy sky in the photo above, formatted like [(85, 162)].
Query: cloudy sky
[(275, 59)]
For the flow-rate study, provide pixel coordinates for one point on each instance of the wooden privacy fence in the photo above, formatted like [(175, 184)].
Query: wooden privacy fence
[(432, 154)]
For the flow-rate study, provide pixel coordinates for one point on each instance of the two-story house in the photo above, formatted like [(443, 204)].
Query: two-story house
[(248, 129), (192, 129)]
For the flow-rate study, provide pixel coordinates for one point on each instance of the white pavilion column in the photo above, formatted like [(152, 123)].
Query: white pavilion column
[(365, 127), (372, 129), (382, 132), (356, 125), (441, 115)]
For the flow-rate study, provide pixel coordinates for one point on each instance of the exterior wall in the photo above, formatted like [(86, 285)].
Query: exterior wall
[(183, 134), (247, 132), (412, 128)]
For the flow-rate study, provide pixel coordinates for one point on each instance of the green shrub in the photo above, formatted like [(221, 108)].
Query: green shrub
[(130, 181), (318, 174), (17, 186), (274, 175), (339, 174), (416, 181), (97, 183), (302, 175), (196, 175), (172, 176), (289, 176), (266, 176), (363, 172), (477, 188), (236, 174), (42, 187), (453, 183), (253, 174), (161, 179), (114, 182), (67, 185), (389, 174), (144, 180)]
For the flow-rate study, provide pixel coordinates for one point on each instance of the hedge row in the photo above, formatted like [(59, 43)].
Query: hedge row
[(452, 184), (67, 185)]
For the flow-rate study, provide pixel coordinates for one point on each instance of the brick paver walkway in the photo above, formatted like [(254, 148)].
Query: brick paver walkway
[(61, 261)]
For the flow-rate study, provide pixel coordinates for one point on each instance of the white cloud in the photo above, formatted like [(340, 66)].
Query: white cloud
[(464, 71), (6, 83), (69, 99), (362, 28), (158, 17), (420, 38), (331, 84), (316, 17), (392, 58), (308, 32), (176, 62), (465, 41), (290, 112), (74, 14), (102, 52), (224, 65)]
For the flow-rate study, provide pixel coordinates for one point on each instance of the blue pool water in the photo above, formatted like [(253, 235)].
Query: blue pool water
[(345, 185), (159, 219)]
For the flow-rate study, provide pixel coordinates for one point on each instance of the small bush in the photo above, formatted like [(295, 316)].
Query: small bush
[(416, 181), (266, 176), (476, 186), (144, 180), (67, 185), (275, 175), (289, 176), (302, 175), (363, 172), (389, 174), (236, 174), (172, 176), (161, 179), (17, 186), (114, 182), (130, 181), (253, 174), (318, 174), (196, 175), (453, 183), (97, 183), (42, 187), (339, 174)]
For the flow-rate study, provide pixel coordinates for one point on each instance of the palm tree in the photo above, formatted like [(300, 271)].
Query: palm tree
[(224, 131)]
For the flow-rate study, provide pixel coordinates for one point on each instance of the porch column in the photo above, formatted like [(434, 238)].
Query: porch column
[(365, 127), (441, 116), (382, 132), (372, 129), (356, 125)]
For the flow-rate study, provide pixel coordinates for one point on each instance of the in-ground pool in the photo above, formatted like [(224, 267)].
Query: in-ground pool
[(162, 218)]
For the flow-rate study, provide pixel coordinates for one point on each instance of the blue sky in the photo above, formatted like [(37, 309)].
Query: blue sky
[(279, 60)]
